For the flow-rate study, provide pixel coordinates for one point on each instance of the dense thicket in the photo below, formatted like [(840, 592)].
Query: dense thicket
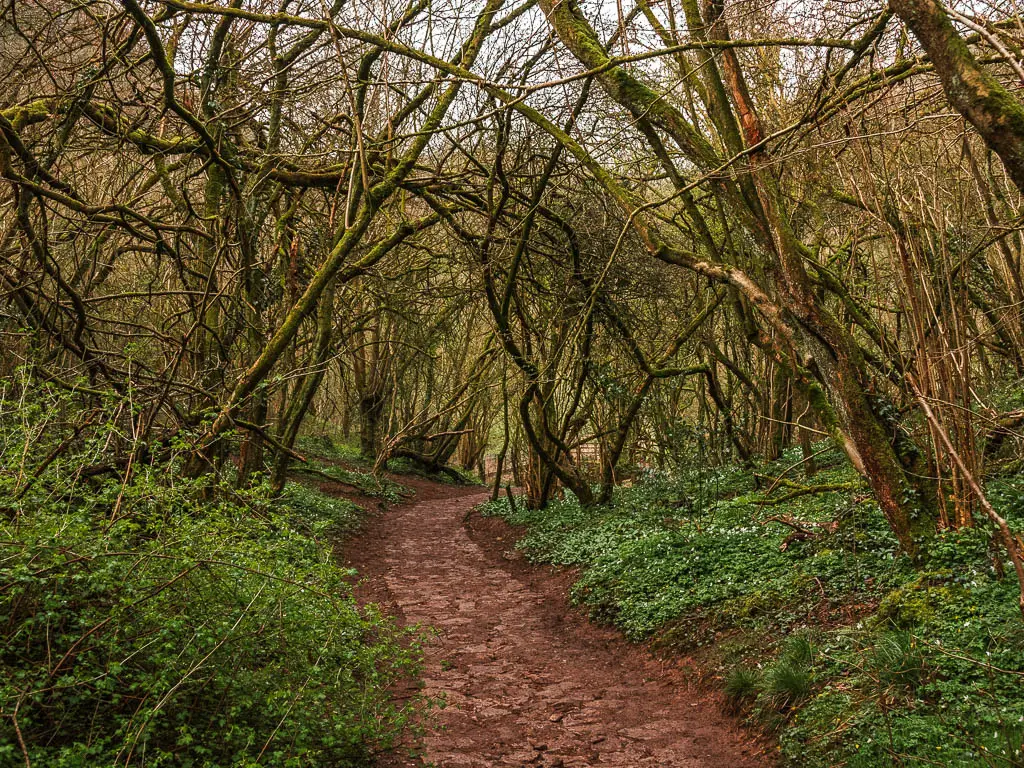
[(576, 239)]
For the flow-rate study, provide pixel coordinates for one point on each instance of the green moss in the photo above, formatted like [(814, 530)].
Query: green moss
[(24, 115), (911, 606)]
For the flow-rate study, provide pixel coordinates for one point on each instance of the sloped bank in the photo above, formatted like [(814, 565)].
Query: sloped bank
[(166, 621), (818, 631)]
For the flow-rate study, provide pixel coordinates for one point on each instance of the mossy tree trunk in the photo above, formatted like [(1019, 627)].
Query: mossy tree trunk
[(303, 399), (371, 412)]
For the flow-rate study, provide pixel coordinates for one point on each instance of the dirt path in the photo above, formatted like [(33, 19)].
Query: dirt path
[(528, 681)]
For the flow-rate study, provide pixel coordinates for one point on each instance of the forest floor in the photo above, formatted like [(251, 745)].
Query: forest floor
[(526, 679)]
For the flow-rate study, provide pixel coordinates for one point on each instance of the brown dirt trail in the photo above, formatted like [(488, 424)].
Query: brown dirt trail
[(527, 680)]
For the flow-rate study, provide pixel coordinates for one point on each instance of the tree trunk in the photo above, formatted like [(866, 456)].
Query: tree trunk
[(250, 452), (296, 412), (371, 410)]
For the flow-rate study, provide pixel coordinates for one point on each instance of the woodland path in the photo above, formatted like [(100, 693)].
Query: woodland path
[(528, 680)]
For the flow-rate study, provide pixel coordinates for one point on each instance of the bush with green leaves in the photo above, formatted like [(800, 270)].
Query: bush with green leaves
[(161, 621)]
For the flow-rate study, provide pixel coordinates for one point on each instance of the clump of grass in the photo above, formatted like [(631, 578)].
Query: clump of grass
[(897, 660), (785, 685), (798, 650), (741, 686)]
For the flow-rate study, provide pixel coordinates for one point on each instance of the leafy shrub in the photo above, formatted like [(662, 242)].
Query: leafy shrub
[(165, 621), (211, 636)]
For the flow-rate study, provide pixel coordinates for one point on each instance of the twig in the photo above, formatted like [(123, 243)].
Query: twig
[(971, 659), (17, 732)]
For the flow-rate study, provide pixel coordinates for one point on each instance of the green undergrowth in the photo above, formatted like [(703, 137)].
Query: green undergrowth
[(321, 444), (451, 476), (365, 483), (341, 460), (173, 622), (825, 635)]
